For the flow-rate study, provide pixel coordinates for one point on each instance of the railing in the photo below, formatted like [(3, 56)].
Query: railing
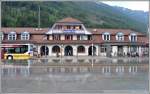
[(69, 31)]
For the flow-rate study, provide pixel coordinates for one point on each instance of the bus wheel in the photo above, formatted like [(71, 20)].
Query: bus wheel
[(10, 57)]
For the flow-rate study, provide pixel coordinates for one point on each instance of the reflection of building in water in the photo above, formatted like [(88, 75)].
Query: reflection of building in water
[(31, 70), (98, 69), (106, 69), (69, 37), (16, 71), (133, 69), (120, 69)]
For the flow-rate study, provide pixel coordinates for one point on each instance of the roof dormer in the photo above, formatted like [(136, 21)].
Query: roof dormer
[(133, 37), (12, 35), (106, 36), (120, 36), (25, 35)]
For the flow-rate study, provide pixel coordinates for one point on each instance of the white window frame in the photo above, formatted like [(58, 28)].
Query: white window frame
[(12, 36), (107, 36), (120, 36), (25, 36), (133, 39)]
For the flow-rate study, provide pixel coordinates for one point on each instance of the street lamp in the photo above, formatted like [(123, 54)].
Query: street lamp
[(45, 51), (61, 52), (92, 50)]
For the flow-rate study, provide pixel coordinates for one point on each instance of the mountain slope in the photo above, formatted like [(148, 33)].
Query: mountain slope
[(92, 14)]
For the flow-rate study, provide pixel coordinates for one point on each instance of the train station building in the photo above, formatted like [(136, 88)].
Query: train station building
[(69, 37)]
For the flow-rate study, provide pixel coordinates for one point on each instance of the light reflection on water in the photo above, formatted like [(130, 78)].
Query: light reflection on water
[(31, 67)]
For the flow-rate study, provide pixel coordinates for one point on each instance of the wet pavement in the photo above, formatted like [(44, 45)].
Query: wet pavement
[(82, 76)]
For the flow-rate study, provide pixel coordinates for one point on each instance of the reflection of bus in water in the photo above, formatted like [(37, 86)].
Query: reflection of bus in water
[(16, 51)]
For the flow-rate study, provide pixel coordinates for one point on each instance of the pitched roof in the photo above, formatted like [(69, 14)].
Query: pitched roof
[(69, 20), (113, 31), (19, 30)]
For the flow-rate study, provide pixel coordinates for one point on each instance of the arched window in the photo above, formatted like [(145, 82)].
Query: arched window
[(120, 36), (25, 36), (81, 49), (56, 49), (12, 36), (1, 36), (106, 36), (133, 37)]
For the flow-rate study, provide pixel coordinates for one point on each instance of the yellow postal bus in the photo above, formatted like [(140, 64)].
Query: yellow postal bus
[(16, 51)]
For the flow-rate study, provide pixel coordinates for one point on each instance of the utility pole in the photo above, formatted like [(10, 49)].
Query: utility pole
[(39, 17)]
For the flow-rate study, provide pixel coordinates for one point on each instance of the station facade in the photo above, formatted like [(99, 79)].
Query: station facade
[(69, 37)]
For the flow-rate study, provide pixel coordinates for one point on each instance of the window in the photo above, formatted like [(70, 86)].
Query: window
[(133, 49), (120, 36), (59, 27), (78, 37), (25, 36), (103, 49), (1, 36), (21, 49), (68, 27), (81, 37), (56, 37), (68, 37), (133, 37), (56, 49), (89, 37), (81, 49), (12, 36), (106, 36)]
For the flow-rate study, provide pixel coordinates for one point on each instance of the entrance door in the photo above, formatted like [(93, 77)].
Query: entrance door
[(68, 51), (120, 50), (92, 50), (44, 51)]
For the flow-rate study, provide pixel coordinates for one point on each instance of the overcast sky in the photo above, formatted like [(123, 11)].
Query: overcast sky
[(134, 5)]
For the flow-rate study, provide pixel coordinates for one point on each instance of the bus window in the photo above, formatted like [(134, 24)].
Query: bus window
[(10, 50), (24, 49), (17, 50)]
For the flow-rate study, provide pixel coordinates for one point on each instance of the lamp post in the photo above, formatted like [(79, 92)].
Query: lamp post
[(61, 52), (45, 51), (92, 51)]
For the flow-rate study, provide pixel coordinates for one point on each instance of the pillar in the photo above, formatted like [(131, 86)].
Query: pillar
[(125, 49), (114, 50), (74, 50), (140, 51)]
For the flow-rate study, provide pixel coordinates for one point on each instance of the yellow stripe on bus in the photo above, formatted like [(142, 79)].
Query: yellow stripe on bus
[(18, 56)]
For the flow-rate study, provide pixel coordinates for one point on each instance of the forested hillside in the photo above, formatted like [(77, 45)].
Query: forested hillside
[(92, 14)]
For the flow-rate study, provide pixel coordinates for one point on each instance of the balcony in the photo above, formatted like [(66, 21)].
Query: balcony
[(56, 31)]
